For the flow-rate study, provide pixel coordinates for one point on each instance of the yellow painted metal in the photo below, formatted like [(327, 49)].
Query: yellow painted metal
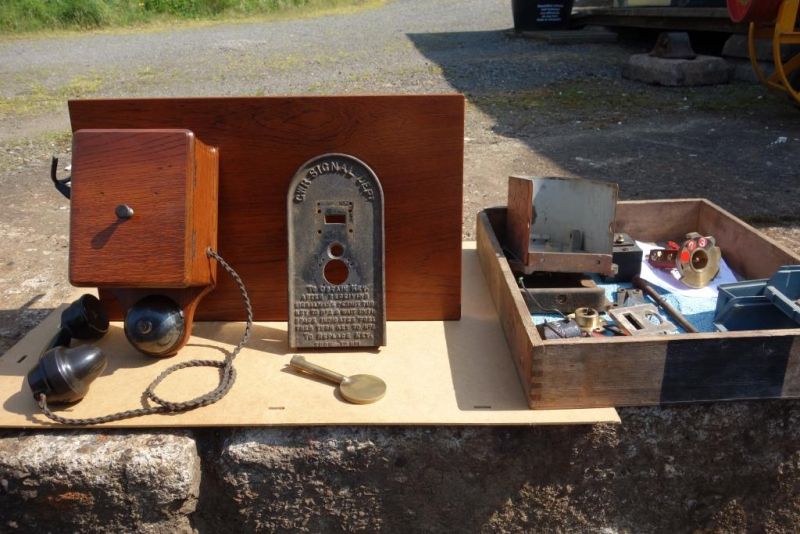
[(784, 31)]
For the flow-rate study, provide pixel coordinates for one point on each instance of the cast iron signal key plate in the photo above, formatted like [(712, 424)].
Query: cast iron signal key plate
[(336, 255)]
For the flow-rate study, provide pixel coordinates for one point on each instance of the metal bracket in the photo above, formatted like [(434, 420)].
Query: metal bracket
[(626, 297), (641, 320), (63, 185)]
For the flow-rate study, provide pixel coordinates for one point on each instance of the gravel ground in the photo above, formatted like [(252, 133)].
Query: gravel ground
[(532, 108)]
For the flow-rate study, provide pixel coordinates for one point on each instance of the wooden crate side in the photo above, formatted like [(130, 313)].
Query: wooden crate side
[(658, 220), (513, 313), (725, 367), (585, 373), (588, 375), (748, 251), (518, 217)]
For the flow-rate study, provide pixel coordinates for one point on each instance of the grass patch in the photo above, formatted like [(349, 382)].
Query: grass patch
[(26, 16), (39, 99), (16, 153)]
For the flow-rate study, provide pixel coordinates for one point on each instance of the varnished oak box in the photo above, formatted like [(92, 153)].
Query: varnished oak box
[(649, 370), (168, 178)]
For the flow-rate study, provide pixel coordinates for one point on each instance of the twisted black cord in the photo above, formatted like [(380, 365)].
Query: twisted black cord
[(162, 405)]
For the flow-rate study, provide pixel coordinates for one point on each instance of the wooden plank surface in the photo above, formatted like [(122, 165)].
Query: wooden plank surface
[(515, 321), (518, 218), (414, 144), (791, 382), (588, 374), (437, 372)]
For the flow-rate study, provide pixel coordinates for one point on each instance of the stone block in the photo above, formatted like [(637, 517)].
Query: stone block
[(408, 479), (703, 70), (93, 481), (712, 468), (743, 70), (736, 47)]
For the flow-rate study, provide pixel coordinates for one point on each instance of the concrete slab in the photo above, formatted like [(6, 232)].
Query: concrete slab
[(703, 70)]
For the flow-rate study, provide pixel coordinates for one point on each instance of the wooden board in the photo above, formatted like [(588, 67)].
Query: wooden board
[(437, 372), (647, 370), (415, 145), (709, 19)]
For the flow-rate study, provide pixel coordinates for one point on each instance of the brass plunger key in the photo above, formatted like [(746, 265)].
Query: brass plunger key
[(358, 389)]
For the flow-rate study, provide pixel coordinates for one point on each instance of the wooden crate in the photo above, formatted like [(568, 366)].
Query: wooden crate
[(628, 371)]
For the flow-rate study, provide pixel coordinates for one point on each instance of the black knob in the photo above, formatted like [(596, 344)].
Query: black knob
[(124, 212)]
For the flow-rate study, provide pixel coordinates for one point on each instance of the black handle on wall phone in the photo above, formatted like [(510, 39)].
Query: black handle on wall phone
[(61, 185)]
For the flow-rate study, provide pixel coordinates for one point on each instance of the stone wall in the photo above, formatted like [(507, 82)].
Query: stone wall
[(731, 467)]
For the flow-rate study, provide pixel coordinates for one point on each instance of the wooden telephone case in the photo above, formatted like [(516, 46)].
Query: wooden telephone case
[(144, 212)]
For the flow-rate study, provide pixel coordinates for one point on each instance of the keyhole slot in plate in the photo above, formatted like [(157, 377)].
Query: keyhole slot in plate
[(335, 218), (336, 272)]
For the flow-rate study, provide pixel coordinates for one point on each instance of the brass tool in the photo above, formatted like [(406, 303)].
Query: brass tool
[(588, 319), (358, 389), (675, 314), (698, 260)]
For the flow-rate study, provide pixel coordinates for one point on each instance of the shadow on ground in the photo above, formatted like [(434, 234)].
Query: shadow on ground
[(734, 144), (17, 322)]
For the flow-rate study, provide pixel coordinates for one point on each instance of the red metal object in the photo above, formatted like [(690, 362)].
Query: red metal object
[(753, 10), (663, 258)]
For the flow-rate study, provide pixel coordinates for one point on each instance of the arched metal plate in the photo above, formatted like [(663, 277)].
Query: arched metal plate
[(336, 289)]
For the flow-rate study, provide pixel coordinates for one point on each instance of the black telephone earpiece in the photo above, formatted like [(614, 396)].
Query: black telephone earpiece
[(64, 373), (154, 326)]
